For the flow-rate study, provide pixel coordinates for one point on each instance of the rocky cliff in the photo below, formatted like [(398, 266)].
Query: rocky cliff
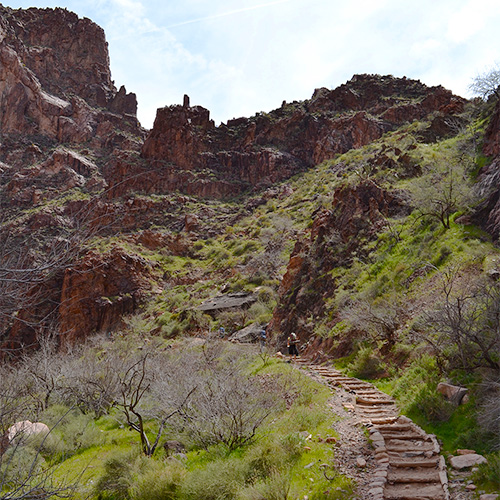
[(252, 153), (54, 73), (488, 215), (77, 169)]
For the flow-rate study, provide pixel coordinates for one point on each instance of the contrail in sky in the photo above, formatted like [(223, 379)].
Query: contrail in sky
[(229, 13)]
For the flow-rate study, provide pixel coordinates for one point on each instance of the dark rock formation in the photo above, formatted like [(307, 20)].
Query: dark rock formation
[(357, 212), (54, 69), (248, 153), (488, 213)]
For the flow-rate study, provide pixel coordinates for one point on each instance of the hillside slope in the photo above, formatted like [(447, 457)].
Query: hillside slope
[(365, 219)]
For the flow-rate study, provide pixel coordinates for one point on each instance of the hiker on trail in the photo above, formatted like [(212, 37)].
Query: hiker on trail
[(222, 332), (262, 338), (292, 342)]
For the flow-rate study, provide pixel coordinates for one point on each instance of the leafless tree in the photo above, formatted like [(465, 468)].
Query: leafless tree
[(486, 84), (380, 318), (442, 191), (228, 406), (465, 327), (148, 390)]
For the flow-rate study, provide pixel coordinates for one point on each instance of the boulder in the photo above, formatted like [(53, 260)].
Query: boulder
[(452, 393), (26, 428), (247, 335), (227, 301), (467, 461), (489, 496)]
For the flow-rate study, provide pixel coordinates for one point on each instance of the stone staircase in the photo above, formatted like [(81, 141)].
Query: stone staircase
[(409, 463)]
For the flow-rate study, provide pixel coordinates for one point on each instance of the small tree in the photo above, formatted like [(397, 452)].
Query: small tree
[(442, 191), (486, 84), (148, 390), (465, 328)]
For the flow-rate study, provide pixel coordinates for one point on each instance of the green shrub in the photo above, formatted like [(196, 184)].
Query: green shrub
[(366, 364), (305, 418), (17, 465), (117, 478), (433, 405), (422, 371), (488, 474), (269, 456), (276, 487), (218, 480), (339, 488), (158, 481), (73, 432), (293, 444)]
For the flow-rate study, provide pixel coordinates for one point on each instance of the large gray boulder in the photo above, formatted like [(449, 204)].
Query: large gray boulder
[(247, 335), (26, 428), (467, 461), (452, 393)]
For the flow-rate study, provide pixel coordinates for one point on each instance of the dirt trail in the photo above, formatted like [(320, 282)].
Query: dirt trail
[(404, 462)]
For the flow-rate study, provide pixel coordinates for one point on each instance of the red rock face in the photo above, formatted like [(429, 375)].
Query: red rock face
[(492, 136), (250, 153), (97, 294), (54, 71), (488, 214), (93, 296), (358, 212)]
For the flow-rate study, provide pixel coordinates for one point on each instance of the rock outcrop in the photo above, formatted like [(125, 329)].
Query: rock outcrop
[(55, 76), (488, 214), (357, 212), (252, 153), (90, 297)]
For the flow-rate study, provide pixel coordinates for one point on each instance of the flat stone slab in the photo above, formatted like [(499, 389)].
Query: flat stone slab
[(228, 301), (414, 462), (414, 492), (374, 401), (413, 476), (466, 461)]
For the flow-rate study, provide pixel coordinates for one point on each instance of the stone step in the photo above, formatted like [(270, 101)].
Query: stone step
[(363, 387), (373, 401), (339, 378), (414, 492), (405, 435), (413, 462), (394, 428), (369, 394), (413, 476), (386, 419), (378, 414), (402, 446)]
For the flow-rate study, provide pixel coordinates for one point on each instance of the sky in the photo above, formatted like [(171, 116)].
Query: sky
[(240, 57)]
